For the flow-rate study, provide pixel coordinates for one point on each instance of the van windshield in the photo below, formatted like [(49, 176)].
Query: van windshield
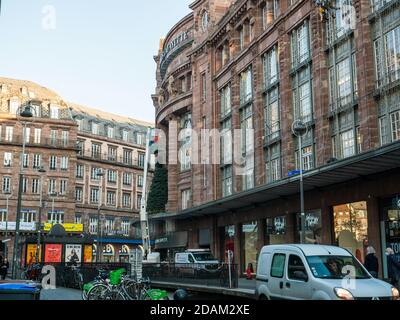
[(203, 256), (336, 267)]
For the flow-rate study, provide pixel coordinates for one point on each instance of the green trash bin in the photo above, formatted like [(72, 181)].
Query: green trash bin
[(19, 291)]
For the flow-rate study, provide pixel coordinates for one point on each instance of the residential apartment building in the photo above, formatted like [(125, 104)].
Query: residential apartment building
[(73, 144), (261, 65)]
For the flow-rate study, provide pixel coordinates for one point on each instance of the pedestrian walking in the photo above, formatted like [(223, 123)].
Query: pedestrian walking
[(249, 272), (4, 268), (393, 268), (371, 262)]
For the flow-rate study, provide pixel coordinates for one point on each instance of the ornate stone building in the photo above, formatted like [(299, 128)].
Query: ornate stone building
[(73, 144), (261, 65)]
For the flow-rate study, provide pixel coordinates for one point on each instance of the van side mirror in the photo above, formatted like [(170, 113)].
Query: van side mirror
[(300, 275)]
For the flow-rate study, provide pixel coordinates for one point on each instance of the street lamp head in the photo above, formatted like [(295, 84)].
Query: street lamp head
[(42, 170), (299, 128), (27, 112)]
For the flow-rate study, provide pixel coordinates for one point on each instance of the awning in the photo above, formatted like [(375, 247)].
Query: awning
[(377, 161), (172, 240)]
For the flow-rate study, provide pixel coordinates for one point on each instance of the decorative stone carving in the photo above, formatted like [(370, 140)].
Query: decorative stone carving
[(161, 97), (172, 91)]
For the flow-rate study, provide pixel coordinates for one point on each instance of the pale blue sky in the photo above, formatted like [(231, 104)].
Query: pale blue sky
[(100, 53)]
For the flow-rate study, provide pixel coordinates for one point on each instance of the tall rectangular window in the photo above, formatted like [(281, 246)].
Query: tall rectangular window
[(94, 195), (35, 186), (38, 135), (127, 179), (26, 160), (127, 157), (54, 112), (52, 186), (96, 151), (80, 171), (246, 86), (64, 163), (53, 137), (348, 143), (186, 198), (300, 45), (247, 146), (8, 159), (9, 133), (79, 194), (203, 87), (111, 198), (112, 153), (53, 162), (111, 176), (140, 181), (227, 181), (93, 225), (95, 128), (6, 184), (270, 62), (63, 187), (110, 132), (225, 95), (273, 163), (126, 200), (64, 137), (272, 114), (395, 125), (141, 159)]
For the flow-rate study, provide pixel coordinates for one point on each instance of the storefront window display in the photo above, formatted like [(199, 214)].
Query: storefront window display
[(249, 245), (392, 225), (275, 232), (351, 227), (313, 227)]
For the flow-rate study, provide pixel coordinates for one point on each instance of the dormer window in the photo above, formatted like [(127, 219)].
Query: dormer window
[(14, 105), (32, 95), (125, 135), (110, 132), (204, 21), (95, 128), (24, 91), (4, 88), (79, 122), (54, 111), (139, 139)]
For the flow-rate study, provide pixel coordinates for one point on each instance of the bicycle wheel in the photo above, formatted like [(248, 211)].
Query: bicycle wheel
[(99, 292), (130, 289)]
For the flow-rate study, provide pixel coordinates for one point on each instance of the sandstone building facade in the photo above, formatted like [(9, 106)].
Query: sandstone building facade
[(261, 65)]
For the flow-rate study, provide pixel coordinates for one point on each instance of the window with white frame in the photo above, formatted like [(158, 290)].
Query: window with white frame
[(93, 225), (126, 200), (94, 173), (227, 181), (79, 194), (141, 159), (35, 186), (112, 153), (64, 137), (127, 179), (37, 135), (80, 171), (270, 62), (55, 216), (110, 132), (9, 133), (225, 96), (125, 227), (111, 176), (28, 216), (78, 218), (53, 162), (186, 198), (54, 112), (109, 227), (273, 163), (3, 215), (272, 114), (53, 137), (64, 163), (140, 181), (139, 138), (395, 125), (111, 198), (95, 128), (24, 185), (246, 86), (347, 143), (63, 187), (52, 186), (96, 150), (26, 160), (8, 156), (37, 161), (127, 156), (139, 201), (14, 105), (300, 40), (6, 184), (94, 195), (125, 135)]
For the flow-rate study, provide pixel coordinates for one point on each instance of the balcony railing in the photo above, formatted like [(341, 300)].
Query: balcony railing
[(130, 140), (43, 142), (87, 154)]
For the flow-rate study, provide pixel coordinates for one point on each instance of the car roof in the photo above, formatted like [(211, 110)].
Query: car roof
[(310, 249)]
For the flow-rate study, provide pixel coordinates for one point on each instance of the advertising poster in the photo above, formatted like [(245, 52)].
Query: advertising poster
[(53, 253), (31, 254), (88, 254), (73, 254)]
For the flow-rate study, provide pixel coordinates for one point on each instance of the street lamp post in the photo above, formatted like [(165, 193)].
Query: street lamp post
[(8, 197), (42, 172), (300, 129), (100, 175), (28, 114)]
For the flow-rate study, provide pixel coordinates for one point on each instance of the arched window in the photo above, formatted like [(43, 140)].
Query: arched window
[(204, 21)]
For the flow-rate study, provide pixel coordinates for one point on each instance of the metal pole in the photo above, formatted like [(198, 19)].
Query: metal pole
[(19, 203), (39, 227), (6, 244), (303, 215), (99, 233), (144, 220)]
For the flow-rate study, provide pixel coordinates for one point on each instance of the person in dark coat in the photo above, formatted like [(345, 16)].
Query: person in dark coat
[(4, 268), (393, 268), (371, 262)]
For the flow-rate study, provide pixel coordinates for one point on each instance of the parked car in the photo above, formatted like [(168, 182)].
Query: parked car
[(316, 272), (196, 262)]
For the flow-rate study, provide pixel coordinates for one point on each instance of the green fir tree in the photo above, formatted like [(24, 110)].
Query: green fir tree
[(158, 195)]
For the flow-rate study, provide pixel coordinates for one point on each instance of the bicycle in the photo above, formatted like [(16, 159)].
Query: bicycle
[(100, 278), (110, 289)]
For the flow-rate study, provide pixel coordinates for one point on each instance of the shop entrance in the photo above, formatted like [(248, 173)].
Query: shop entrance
[(351, 227)]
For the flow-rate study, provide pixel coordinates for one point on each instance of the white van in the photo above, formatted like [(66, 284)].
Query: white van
[(196, 262), (316, 272)]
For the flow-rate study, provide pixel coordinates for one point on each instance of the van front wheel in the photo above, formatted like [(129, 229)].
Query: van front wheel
[(262, 298)]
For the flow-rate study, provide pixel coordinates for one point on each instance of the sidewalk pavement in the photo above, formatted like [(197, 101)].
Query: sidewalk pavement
[(62, 294)]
